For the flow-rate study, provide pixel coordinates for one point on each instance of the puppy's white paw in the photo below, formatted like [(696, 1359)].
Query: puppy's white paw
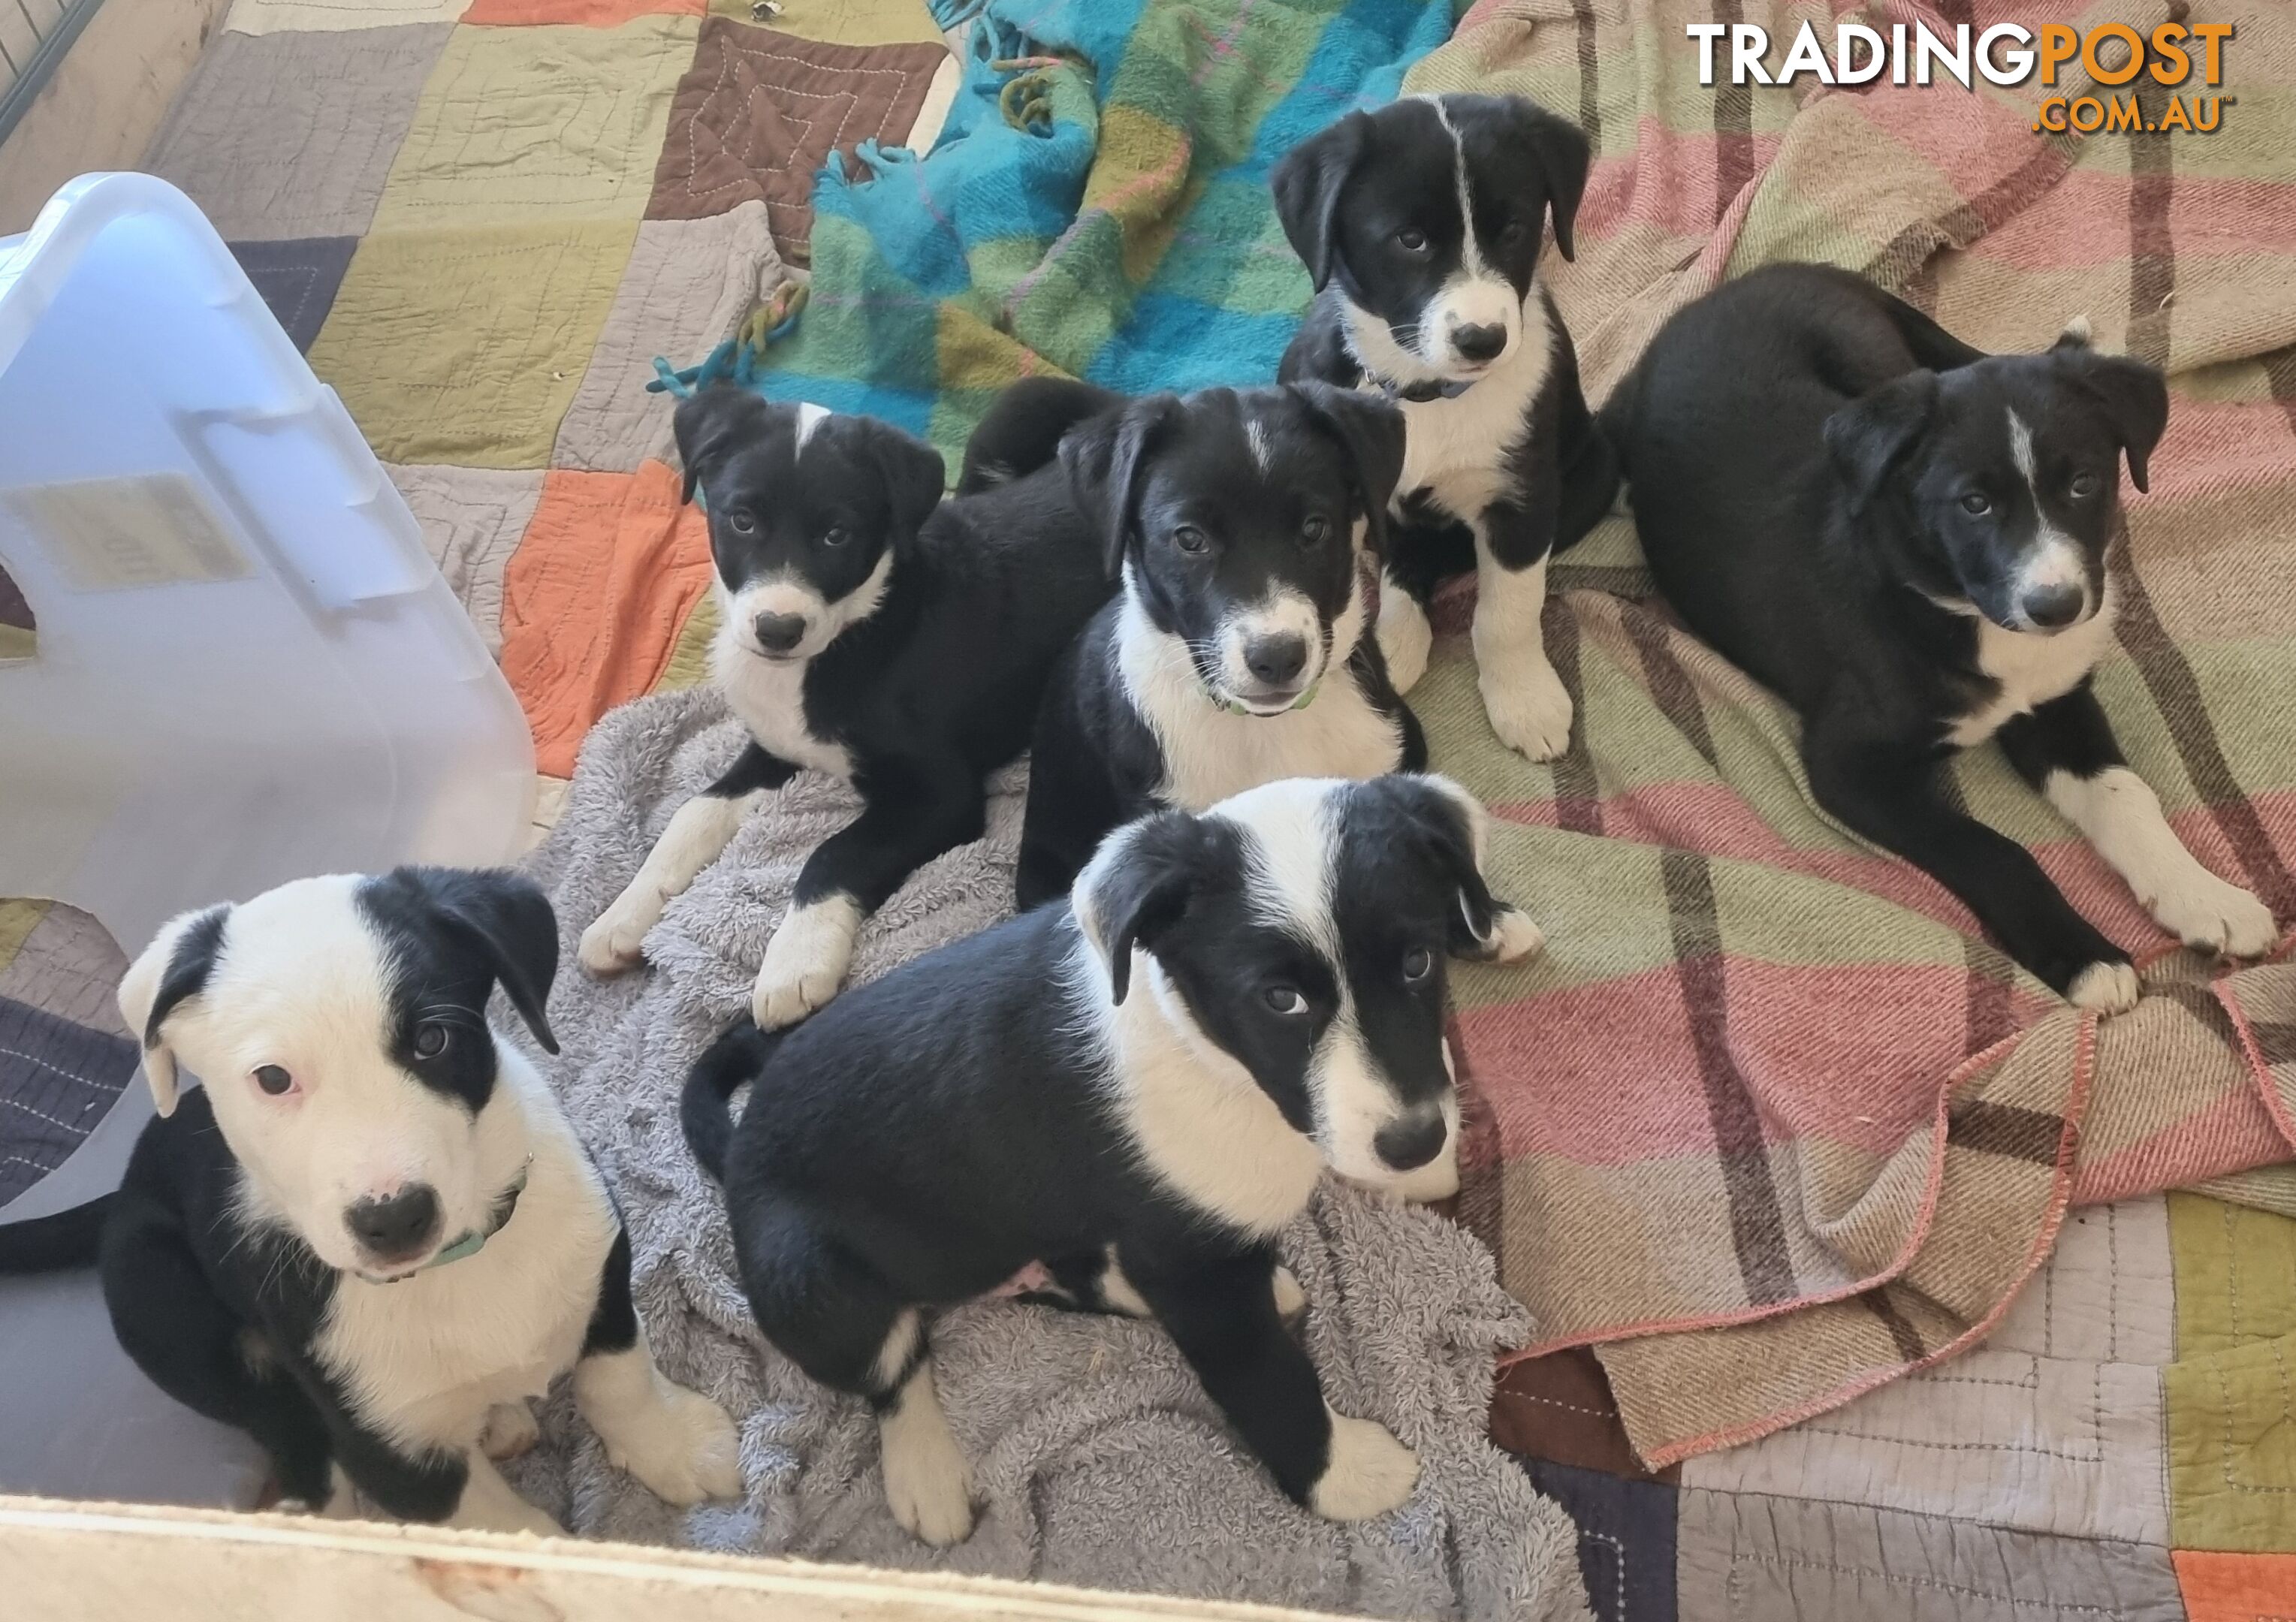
[(804, 961), (1370, 1472), (1290, 1301), (610, 945), (687, 1450), (1530, 708), (2107, 987), (511, 1430), (1514, 937), (1405, 636), (926, 1483), (2204, 911)]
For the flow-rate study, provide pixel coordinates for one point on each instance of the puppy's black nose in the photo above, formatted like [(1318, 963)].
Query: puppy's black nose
[(1410, 1141), (1276, 660), (2052, 606), (1479, 343), (398, 1225), (779, 632)]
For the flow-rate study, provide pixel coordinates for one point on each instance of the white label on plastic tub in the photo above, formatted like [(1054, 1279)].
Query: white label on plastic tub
[(109, 535)]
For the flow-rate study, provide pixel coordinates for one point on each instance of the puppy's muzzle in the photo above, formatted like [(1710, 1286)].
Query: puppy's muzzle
[(1276, 661), (778, 634), (1478, 345), (1412, 1139), (395, 1229), (2053, 606)]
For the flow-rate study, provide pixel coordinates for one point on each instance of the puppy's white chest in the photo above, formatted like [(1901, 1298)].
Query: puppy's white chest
[(2032, 669), (769, 698), (1457, 449), (422, 1360), (1211, 753)]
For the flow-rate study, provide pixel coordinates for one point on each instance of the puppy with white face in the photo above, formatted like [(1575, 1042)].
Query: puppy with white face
[(1140, 1091), (1234, 654), (1420, 225), (371, 1236), (870, 632)]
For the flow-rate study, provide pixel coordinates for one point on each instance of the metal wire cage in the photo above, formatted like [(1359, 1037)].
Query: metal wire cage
[(34, 35)]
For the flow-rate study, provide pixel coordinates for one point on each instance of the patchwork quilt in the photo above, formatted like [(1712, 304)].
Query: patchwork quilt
[(1870, 1282)]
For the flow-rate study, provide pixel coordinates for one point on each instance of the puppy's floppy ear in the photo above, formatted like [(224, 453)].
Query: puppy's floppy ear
[(509, 920), (914, 473), (1452, 826), (1104, 456), (1307, 184), (173, 968), (709, 424), (1870, 435), (1564, 156), (1370, 430), (1135, 888), (2135, 397)]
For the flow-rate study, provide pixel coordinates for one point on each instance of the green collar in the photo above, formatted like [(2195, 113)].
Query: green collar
[(505, 1206), (1301, 703)]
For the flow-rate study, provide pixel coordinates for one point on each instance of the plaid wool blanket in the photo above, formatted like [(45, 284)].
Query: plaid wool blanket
[(1773, 1123)]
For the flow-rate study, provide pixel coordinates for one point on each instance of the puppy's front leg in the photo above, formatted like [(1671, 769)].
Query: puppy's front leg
[(1223, 1312), (1528, 706), (2066, 750), (696, 836), (491, 1505), (677, 1442), (455, 1486), (906, 823), (1889, 792)]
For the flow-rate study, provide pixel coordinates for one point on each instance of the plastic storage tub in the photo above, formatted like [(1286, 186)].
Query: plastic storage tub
[(246, 668)]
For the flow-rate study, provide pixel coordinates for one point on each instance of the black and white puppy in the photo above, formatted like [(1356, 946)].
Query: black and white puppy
[(371, 1235), (869, 632), (1904, 538), (1420, 225), (1140, 1088), (1235, 653)]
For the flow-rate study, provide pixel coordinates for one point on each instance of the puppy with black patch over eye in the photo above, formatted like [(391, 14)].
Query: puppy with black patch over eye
[(867, 631), (1906, 539), (1235, 653), (371, 1236), (1140, 1090), (1420, 225)]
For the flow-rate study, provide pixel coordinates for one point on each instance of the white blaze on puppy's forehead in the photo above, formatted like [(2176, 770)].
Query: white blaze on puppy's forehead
[(2054, 558), (1471, 252), (809, 417), (1255, 435), (1288, 851)]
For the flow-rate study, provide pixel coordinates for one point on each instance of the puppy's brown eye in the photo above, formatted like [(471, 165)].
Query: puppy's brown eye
[(1418, 963), (1284, 1000), (2084, 485), (1411, 241), (1316, 530), (1187, 537), (1975, 504), (273, 1080), (430, 1041), (834, 536), (741, 523)]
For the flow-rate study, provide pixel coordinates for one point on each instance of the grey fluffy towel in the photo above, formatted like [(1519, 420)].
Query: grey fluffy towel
[(1096, 1454)]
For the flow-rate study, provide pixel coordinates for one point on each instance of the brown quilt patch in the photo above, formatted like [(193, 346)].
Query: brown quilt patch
[(759, 111)]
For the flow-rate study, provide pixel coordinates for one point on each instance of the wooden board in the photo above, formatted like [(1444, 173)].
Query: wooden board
[(101, 1562)]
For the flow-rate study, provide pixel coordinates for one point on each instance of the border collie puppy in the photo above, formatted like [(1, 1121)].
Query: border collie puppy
[(1904, 538), (1235, 653), (371, 1235), (1420, 225), (1140, 1088), (867, 632)]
